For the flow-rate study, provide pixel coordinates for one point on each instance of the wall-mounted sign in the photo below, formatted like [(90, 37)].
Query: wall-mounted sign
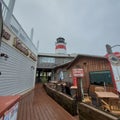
[(114, 59), (18, 44), (78, 72), (6, 35), (33, 56)]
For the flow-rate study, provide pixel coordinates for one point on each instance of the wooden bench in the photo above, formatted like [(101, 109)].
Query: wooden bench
[(104, 105), (112, 106)]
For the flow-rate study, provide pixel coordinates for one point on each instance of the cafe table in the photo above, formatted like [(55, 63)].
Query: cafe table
[(106, 95)]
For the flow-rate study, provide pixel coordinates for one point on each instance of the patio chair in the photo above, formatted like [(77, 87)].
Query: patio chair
[(99, 89), (87, 99)]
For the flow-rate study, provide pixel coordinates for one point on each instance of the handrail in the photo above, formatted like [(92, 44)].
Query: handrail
[(17, 29), (4, 9)]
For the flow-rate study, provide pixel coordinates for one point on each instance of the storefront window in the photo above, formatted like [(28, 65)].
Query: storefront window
[(100, 78), (47, 60)]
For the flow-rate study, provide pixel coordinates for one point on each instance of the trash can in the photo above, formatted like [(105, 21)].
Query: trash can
[(9, 107)]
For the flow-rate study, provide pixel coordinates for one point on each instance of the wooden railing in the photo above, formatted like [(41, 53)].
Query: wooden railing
[(65, 101)]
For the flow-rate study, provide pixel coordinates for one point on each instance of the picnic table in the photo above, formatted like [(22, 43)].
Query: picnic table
[(106, 95), (107, 98)]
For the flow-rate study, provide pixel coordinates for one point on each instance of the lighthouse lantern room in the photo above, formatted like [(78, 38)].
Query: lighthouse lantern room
[(60, 46)]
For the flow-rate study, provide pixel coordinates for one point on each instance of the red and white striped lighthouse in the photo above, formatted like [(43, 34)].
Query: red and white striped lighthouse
[(60, 46)]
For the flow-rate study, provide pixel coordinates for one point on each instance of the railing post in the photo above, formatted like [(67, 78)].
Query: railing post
[(31, 35), (9, 12)]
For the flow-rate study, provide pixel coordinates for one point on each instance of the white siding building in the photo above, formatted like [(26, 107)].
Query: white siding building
[(18, 59)]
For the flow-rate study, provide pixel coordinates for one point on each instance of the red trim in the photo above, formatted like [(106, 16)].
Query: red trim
[(117, 54), (113, 79), (60, 47), (74, 81)]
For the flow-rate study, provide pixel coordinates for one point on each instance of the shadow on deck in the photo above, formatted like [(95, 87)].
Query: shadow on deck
[(37, 105)]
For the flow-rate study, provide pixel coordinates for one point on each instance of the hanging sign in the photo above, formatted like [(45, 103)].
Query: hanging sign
[(78, 72)]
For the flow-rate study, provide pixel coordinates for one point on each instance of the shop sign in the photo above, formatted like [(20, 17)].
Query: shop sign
[(6, 35), (78, 72), (18, 44), (33, 56)]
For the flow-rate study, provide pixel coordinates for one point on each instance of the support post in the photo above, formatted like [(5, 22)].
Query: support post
[(79, 90)]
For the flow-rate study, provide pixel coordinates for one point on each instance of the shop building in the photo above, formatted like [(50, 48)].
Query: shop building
[(18, 56), (47, 62), (97, 72)]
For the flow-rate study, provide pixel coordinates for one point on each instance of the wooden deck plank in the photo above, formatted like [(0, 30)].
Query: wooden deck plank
[(37, 105)]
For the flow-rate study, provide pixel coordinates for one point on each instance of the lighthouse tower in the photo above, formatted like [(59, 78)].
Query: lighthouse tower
[(60, 46)]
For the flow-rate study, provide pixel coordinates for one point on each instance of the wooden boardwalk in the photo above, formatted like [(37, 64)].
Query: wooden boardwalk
[(37, 105)]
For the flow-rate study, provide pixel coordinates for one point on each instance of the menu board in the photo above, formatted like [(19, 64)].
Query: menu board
[(1, 118), (11, 114)]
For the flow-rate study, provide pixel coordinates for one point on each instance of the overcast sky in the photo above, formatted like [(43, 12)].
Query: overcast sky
[(86, 25)]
